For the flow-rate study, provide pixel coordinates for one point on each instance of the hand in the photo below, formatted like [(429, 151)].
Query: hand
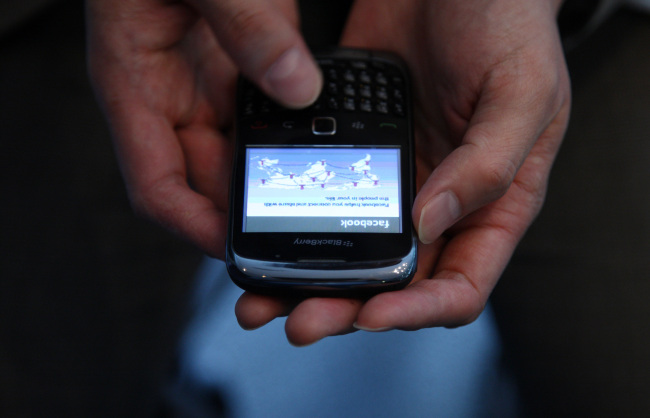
[(165, 74), (492, 101)]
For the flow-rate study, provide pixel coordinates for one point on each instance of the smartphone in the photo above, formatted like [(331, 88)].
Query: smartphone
[(321, 198)]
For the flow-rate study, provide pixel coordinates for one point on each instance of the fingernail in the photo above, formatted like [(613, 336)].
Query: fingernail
[(437, 215), (294, 78), (362, 328), (302, 345), (253, 328)]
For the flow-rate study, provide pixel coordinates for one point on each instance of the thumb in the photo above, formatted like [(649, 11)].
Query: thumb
[(265, 44), (502, 135)]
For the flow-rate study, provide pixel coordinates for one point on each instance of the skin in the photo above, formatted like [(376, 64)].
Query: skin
[(492, 101), (164, 73)]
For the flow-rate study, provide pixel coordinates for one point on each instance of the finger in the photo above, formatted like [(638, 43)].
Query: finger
[(254, 311), (510, 117), (465, 275), (171, 203), (209, 161), (317, 318), (153, 165), (472, 261), (265, 44), (395, 309), (446, 300)]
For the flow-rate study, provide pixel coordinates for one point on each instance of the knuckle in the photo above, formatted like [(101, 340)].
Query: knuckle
[(254, 38), (146, 199), (140, 203), (246, 24), (473, 314), (466, 301), (497, 177), (468, 315)]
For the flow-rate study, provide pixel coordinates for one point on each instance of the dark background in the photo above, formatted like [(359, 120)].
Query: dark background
[(93, 298)]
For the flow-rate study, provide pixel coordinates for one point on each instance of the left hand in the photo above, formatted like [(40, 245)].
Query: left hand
[(492, 102)]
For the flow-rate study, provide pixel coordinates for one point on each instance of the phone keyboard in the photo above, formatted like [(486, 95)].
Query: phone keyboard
[(367, 86)]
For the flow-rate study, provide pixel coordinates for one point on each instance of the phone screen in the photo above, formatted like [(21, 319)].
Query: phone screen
[(322, 189)]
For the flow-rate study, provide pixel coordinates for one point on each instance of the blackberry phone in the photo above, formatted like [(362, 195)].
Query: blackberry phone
[(321, 198)]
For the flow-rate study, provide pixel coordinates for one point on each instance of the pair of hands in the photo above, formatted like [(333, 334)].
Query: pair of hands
[(492, 102)]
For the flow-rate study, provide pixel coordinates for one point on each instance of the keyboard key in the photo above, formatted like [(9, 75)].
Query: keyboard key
[(381, 93), (381, 79), (365, 91), (348, 104), (365, 105)]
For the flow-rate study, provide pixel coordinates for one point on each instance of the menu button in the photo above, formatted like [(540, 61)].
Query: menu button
[(323, 126)]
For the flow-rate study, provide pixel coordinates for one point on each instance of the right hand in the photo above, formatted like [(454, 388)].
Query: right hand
[(492, 103), (165, 74)]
